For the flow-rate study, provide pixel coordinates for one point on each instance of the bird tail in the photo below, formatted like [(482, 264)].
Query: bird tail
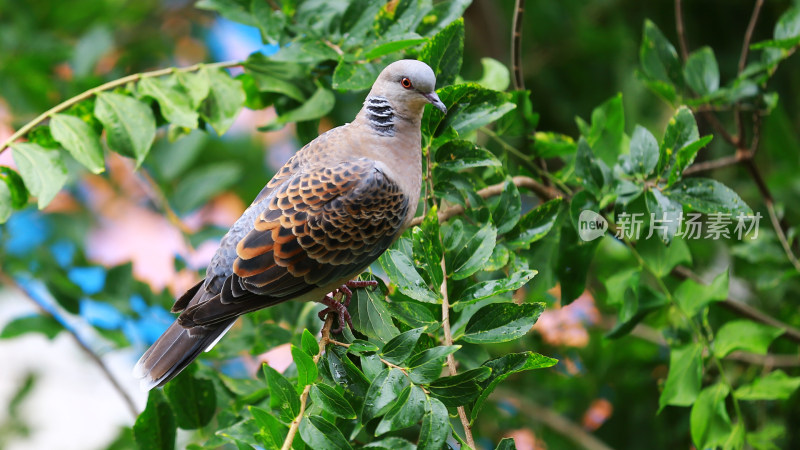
[(175, 350)]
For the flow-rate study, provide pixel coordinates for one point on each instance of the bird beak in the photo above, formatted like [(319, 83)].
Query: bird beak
[(435, 101)]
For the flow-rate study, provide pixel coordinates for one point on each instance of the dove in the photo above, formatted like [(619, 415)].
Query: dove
[(326, 215)]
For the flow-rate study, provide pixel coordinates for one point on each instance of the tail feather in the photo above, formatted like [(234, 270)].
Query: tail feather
[(175, 350)]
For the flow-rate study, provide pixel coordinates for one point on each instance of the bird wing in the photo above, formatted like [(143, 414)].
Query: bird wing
[(315, 227)]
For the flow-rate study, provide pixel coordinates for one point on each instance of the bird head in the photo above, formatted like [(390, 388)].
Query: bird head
[(408, 84)]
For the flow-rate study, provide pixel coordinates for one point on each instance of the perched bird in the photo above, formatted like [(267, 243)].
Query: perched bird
[(328, 213)]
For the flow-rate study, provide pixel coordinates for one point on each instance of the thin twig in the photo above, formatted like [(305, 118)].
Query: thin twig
[(98, 361), (743, 309), (104, 87), (713, 164), (748, 36), (681, 30), (516, 45), (324, 340), (157, 195), (387, 363), (551, 419), (451, 361)]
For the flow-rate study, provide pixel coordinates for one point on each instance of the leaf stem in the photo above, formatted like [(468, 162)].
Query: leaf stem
[(451, 361), (104, 87), (324, 341)]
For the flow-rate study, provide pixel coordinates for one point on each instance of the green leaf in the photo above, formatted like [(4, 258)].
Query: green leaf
[(280, 77), (306, 368), (701, 71), (744, 335), (548, 144), (485, 289), (685, 158), (155, 426), (590, 171), (400, 347), (271, 428), (683, 380), (681, 131), (225, 99), (129, 124), (199, 185), (5, 202), (350, 76), (18, 194), (413, 314), (470, 106), (385, 48), (402, 272), (47, 325), (320, 434), (534, 225), (407, 410), (270, 22), (319, 104), (505, 366), (426, 365), (773, 386), (235, 10), (459, 154), (435, 426), (345, 373), (196, 84), (391, 443), (496, 75), (667, 214), (606, 136), (506, 444), (359, 347), (501, 322), (382, 393), (658, 57), (644, 151), (443, 53), (427, 249), (788, 25), (42, 170), (79, 139), (662, 258), (175, 103), (332, 401), (282, 395), (506, 212), (708, 196), (709, 421), (459, 389), (471, 253), (309, 343), (370, 315), (692, 296), (193, 399)]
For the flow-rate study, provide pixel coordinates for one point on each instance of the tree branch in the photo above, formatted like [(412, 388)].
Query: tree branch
[(9, 281), (451, 361), (104, 87), (679, 28), (324, 340), (516, 45), (552, 420)]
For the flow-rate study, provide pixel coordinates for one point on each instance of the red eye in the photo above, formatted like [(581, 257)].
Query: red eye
[(406, 83)]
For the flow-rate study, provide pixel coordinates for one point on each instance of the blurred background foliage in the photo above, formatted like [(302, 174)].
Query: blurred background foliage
[(112, 250)]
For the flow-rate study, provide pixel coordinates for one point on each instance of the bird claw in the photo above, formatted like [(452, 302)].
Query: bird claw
[(340, 308)]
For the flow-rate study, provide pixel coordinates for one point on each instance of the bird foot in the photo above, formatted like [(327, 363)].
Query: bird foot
[(340, 308)]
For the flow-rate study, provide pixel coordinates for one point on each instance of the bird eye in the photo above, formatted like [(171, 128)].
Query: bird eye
[(406, 83)]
